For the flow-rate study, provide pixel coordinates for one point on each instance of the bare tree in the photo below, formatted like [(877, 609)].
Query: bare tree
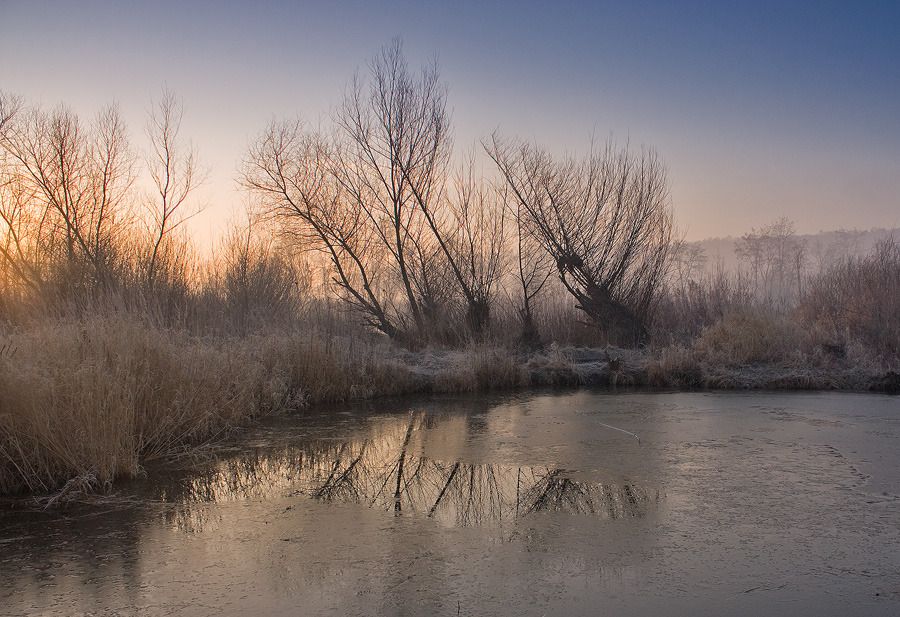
[(406, 244), (10, 106), (175, 174), (776, 258), (373, 196), (394, 155), (293, 173), (473, 241), (72, 182), (533, 268), (688, 261), (394, 133), (606, 222), (17, 248)]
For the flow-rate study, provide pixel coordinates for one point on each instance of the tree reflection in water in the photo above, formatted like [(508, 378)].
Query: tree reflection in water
[(383, 471)]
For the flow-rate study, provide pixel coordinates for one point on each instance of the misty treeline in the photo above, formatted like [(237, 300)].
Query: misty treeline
[(376, 221), (92, 225), (426, 248), (792, 295), (375, 210)]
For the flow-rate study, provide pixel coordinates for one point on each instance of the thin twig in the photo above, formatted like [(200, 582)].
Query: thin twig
[(621, 430)]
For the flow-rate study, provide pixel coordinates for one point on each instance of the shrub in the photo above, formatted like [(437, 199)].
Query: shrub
[(742, 338), (858, 300)]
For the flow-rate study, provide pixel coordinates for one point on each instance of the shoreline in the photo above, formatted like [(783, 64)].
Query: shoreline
[(86, 404), (618, 367)]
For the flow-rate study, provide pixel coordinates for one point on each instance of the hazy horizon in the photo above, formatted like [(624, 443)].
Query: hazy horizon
[(759, 112)]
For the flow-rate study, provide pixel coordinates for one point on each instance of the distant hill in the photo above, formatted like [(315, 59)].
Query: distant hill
[(822, 248)]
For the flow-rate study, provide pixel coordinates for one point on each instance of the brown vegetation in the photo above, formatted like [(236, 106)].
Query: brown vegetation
[(376, 268), (839, 329)]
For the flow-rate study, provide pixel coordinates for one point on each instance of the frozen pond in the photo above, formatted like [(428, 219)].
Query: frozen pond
[(543, 504)]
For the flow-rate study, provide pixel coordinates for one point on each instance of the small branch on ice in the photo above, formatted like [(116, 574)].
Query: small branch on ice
[(621, 430)]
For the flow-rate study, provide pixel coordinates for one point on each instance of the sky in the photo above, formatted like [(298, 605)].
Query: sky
[(759, 109)]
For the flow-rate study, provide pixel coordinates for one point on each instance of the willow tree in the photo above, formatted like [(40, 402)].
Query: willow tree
[(605, 220)]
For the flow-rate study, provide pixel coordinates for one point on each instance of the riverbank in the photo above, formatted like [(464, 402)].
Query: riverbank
[(84, 403)]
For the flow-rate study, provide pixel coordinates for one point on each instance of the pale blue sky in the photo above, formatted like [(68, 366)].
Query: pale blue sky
[(760, 109)]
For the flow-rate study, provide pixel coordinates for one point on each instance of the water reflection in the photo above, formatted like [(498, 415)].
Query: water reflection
[(387, 469), (390, 513)]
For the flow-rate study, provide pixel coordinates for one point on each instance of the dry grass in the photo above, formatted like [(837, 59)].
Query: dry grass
[(301, 370), (90, 399), (83, 403), (745, 338), (675, 367), (480, 369), (551, 367)]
